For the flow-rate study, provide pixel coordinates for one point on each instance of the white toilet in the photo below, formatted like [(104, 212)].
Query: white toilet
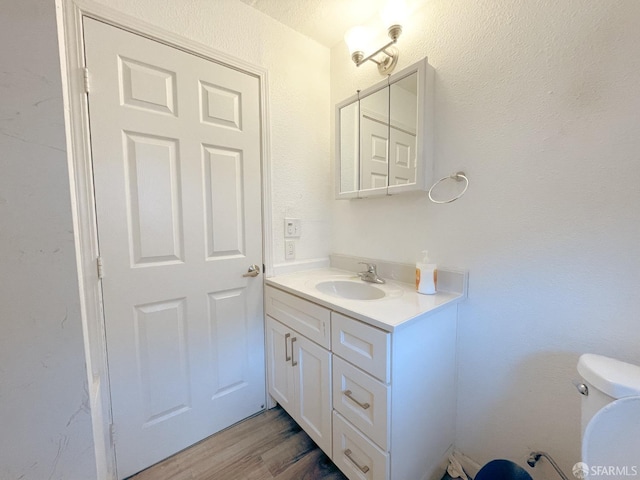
[(610, 417)]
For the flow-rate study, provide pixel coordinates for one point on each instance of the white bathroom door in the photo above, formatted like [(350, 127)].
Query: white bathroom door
[(176, 157)]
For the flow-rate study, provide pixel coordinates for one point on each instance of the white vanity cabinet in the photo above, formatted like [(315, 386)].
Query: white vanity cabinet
[(389, 395)]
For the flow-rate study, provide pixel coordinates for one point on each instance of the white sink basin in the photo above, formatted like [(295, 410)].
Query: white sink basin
[(350, 290)]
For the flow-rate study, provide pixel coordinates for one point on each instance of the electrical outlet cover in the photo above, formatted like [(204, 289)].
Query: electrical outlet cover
[(289, 250)]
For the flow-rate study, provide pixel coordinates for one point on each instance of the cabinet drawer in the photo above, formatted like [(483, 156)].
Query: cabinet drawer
[(356, 455), (362, 400), (306, 318), (363, 345)]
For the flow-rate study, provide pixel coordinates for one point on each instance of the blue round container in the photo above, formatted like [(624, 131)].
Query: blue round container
[(502, 470)]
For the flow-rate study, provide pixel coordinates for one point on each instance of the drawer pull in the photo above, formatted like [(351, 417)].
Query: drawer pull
[(349, 395), (363, 469), (286, 352), (293, 362)]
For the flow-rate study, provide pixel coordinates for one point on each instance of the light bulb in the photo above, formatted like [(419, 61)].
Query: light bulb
[(395, 12), (356, 39)]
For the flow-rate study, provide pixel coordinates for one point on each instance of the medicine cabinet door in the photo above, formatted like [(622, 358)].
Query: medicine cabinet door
[(374, 143), (348, 140), (403, 113)]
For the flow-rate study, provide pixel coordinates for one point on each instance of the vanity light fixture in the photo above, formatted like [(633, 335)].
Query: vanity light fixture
[(356, 39)]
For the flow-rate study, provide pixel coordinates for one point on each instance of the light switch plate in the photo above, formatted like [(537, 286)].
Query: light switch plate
[(292, 228)]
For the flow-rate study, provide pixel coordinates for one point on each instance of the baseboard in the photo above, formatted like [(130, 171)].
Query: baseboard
[(470, 466), (438, 472)]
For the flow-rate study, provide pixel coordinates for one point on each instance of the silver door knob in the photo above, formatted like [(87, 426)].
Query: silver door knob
[(253, 271)]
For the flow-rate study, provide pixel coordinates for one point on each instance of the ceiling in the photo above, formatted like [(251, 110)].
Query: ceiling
[(326, 21)]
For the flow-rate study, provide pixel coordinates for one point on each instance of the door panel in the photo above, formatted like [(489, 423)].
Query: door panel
[(221, 106), (153, 198), (228, 341), (147, 86), (374, 152), (402, 164), (176, 159), (161, 353), (224, 198)]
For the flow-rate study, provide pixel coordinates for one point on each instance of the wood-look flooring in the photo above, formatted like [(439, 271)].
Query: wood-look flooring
[(268, 446)]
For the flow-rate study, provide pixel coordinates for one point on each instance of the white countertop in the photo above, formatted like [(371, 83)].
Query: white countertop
[(400, 305)]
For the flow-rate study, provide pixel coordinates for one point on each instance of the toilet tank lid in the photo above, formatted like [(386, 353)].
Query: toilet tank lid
[(613, 377)]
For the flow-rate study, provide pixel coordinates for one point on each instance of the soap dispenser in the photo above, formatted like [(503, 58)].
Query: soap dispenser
[(426, 275)]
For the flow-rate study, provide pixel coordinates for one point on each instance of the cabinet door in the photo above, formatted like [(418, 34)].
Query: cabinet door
[(280, 372), (374, 143), (313, 390)]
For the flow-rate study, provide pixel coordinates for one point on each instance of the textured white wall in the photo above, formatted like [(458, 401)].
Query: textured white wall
[(300, 108), (46, 430), (45, 427), (538, 102)]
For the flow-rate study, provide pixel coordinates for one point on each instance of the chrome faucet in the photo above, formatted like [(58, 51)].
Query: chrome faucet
[(371, 275)]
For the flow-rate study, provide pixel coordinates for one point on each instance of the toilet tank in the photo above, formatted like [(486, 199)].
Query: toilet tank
[(607, 379)]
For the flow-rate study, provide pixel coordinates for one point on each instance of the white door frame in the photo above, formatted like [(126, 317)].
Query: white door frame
[(71, 44)]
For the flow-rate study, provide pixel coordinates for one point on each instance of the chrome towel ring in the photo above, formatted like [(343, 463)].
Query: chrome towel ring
[(458, 177)]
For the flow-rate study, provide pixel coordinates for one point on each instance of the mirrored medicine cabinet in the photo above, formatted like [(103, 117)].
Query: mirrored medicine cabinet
[(384, 136)]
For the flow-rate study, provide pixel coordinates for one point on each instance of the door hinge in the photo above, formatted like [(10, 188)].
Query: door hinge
[(85, 79), (112, 434), (100, 267)]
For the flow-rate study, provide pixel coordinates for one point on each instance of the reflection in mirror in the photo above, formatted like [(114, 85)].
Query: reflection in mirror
[(374, 137), (349, 158), (402, 132)]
